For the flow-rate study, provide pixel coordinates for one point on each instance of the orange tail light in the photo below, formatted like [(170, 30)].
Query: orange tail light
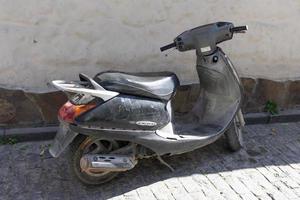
[(68, 112)]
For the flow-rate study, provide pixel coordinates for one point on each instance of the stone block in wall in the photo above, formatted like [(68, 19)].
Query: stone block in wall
[(294, 93), (22, 111), (271, 90), (248, 104), (256, 93), (18, 108), (48, 104)]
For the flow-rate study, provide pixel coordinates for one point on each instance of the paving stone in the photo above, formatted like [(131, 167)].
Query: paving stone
[(145, 193), (197, 195), (223, 186), (182, 196), (293, 175), (237, 185), (289, 182), (297, 192), (288, 192), (249, 196), (178, 191), (268, 168), (189, 184), (276, 195), (271, 176), (121, 197), (161, 192), (209, 190), (254, 187), (132, 195)]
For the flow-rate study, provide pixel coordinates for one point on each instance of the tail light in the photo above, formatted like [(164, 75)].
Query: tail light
[(68, 112)]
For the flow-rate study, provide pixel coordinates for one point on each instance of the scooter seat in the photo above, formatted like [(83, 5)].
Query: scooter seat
[(159, 85)]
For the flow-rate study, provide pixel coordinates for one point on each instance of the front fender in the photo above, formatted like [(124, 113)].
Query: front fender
[(63, 138)]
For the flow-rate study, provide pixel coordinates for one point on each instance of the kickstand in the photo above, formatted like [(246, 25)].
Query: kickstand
[(164, 163)]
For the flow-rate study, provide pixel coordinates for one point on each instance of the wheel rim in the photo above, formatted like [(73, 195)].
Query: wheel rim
[(97, 146)]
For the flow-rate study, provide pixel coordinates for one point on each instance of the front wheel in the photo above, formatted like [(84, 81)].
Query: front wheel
[(83, 145), (234, 135)]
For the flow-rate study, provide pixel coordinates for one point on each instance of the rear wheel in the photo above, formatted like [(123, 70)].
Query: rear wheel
[(234, 136), (83, 145)]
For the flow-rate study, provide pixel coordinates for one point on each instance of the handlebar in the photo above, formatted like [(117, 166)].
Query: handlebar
[(239, 29), (169, 46), (205, 38)]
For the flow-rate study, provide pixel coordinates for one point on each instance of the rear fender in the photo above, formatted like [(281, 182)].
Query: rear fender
[(63, 138)]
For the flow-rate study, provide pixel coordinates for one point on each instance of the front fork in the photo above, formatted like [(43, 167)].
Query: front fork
[(240, 118)]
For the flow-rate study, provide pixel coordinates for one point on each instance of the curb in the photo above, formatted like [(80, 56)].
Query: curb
[(48, 132), (29, 134), (265, 118)]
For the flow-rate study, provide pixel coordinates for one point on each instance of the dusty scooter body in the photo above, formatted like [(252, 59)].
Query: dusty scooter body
[(116, 118)]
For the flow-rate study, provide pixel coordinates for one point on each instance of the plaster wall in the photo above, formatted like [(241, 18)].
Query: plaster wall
[(53, 39)]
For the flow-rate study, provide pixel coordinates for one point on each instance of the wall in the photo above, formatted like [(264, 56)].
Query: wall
[(52, 39)]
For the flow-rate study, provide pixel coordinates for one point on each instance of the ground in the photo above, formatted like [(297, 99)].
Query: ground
[(267, 168)]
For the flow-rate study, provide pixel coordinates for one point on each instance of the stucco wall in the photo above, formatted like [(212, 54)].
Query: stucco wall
[(54, 39)]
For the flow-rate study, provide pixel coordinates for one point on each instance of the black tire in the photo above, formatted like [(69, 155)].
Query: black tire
[(234, 136), (76, 151)]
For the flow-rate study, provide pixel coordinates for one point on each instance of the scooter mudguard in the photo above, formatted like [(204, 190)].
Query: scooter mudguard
[(62, 139)]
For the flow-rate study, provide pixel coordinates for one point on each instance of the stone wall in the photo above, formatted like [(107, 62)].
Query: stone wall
[(19, 108), (285, 94)]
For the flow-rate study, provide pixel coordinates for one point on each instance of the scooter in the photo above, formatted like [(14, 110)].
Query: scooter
[(115, 119)]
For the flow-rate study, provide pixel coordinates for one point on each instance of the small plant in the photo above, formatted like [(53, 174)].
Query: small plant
[(43, 148), (9, 140), (271, 107)]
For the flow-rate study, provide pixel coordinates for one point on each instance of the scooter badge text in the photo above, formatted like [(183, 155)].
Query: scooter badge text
[(146, 123)]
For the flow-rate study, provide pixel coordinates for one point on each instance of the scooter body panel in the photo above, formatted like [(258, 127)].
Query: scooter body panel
[(127, 112), (150, 139)]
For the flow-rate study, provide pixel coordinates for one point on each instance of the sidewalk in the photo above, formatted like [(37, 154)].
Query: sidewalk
[(268, 168)]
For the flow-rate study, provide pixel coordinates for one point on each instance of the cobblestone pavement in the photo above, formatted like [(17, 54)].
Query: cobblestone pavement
[(268, 168)]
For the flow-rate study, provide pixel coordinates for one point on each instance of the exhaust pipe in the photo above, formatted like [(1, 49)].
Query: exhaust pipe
[(113, 163)]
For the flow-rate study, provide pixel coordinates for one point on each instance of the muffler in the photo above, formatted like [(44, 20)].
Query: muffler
[(100, 162)]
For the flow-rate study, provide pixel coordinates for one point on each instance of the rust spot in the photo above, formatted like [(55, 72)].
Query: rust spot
[(85, 143), (7, 111)]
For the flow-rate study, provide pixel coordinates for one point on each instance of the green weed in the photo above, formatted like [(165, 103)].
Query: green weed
[(8, 140), (271, 107)]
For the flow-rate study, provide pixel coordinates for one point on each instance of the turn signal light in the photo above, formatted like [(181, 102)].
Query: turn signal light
[(68, 112)]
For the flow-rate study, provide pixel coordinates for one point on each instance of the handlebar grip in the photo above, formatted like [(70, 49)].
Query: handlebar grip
[(239, 29), (169, 46)]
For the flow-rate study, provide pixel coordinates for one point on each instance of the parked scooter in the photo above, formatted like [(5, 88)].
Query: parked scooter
[(116, 118)]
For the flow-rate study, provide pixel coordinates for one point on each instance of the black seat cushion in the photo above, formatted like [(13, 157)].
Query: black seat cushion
[(159, 85)]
